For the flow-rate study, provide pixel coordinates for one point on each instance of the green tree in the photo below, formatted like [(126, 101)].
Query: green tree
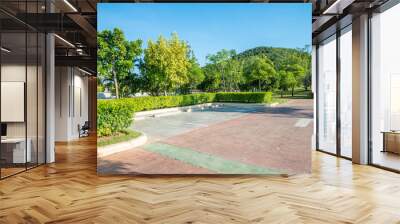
[(283, 81), (300, 64), (282, 58), (291, 80), (116, 57), (212, 78), (234, 74), (100, 85), (221, 61), (261, 70), (130, 85), (165, 65), (286, 80), (299, 74), (307, 68), (307, 81), (196, 74)]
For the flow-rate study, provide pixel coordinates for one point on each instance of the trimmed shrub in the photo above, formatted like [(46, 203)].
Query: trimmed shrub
[(158, 102), (113, 116), (245, 97), (116, 115)]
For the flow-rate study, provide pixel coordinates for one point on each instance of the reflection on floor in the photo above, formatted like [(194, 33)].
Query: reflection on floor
[(387, 159), (11, 169)]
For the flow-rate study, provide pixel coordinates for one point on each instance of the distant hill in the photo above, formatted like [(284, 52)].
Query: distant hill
[(279, 56)]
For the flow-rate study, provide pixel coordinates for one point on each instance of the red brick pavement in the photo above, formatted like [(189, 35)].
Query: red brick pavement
[(263, 139), (139, 161)]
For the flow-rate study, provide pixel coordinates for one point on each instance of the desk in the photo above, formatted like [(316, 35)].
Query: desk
[(13, 150), (391, 141)]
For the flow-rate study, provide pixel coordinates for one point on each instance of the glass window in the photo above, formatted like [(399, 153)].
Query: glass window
[(346, 92), (327, 95), (22, 93), (14, 153), (385, 89)]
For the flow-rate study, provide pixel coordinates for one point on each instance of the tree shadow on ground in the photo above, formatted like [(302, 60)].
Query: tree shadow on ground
[(107, 167), (287, 112), (279, 111)]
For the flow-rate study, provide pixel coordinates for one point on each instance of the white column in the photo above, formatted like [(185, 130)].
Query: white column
[(314, 91), (360, 90), (50, 100)]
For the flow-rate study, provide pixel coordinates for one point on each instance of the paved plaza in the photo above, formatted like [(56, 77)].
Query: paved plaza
[(229, 139)]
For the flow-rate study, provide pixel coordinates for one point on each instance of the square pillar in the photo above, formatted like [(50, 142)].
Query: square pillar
[(360, 89), (50, 98)]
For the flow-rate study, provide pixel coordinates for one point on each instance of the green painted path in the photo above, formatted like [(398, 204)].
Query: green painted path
[(208, 161)]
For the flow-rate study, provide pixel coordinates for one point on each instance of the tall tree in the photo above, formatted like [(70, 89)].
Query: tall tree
[(307, 80), (130, 85), (165, 65), (283, 81), (116, 57), (221, 62), (261, 70), (212, 78), (291, 81), (234, 74), (286, 81), (196, 74), (299, 74), (307, 67), (282, 58)]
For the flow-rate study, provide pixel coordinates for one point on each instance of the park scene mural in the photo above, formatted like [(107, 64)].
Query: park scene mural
[(204, 89)]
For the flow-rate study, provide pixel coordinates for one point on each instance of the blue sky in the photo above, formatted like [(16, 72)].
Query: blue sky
[(211, 27)]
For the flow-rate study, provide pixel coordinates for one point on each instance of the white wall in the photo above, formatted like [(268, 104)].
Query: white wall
[(80, 88), (69, 112), (62, 85)]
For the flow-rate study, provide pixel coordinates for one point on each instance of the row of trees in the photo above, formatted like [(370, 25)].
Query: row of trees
[(169, 66)]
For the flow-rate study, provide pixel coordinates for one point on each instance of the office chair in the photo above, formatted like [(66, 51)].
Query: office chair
[(84, 130)]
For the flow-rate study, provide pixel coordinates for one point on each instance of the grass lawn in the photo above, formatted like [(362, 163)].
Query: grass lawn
[(299, 93), (121, 136)]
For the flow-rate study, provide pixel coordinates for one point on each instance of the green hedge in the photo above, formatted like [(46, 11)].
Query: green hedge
[(113, 116), (116, 115), (157, 102), (248, 97)]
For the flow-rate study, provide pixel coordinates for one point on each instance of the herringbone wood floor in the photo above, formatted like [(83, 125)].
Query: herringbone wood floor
[(69, 191)]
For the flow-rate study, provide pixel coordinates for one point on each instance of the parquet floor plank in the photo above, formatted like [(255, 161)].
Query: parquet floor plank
[(69, 191)]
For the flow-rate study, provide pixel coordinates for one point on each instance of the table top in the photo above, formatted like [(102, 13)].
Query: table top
[(391, 132), (13, 140)]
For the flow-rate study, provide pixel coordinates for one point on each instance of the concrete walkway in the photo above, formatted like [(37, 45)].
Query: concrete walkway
[(240, 140)]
